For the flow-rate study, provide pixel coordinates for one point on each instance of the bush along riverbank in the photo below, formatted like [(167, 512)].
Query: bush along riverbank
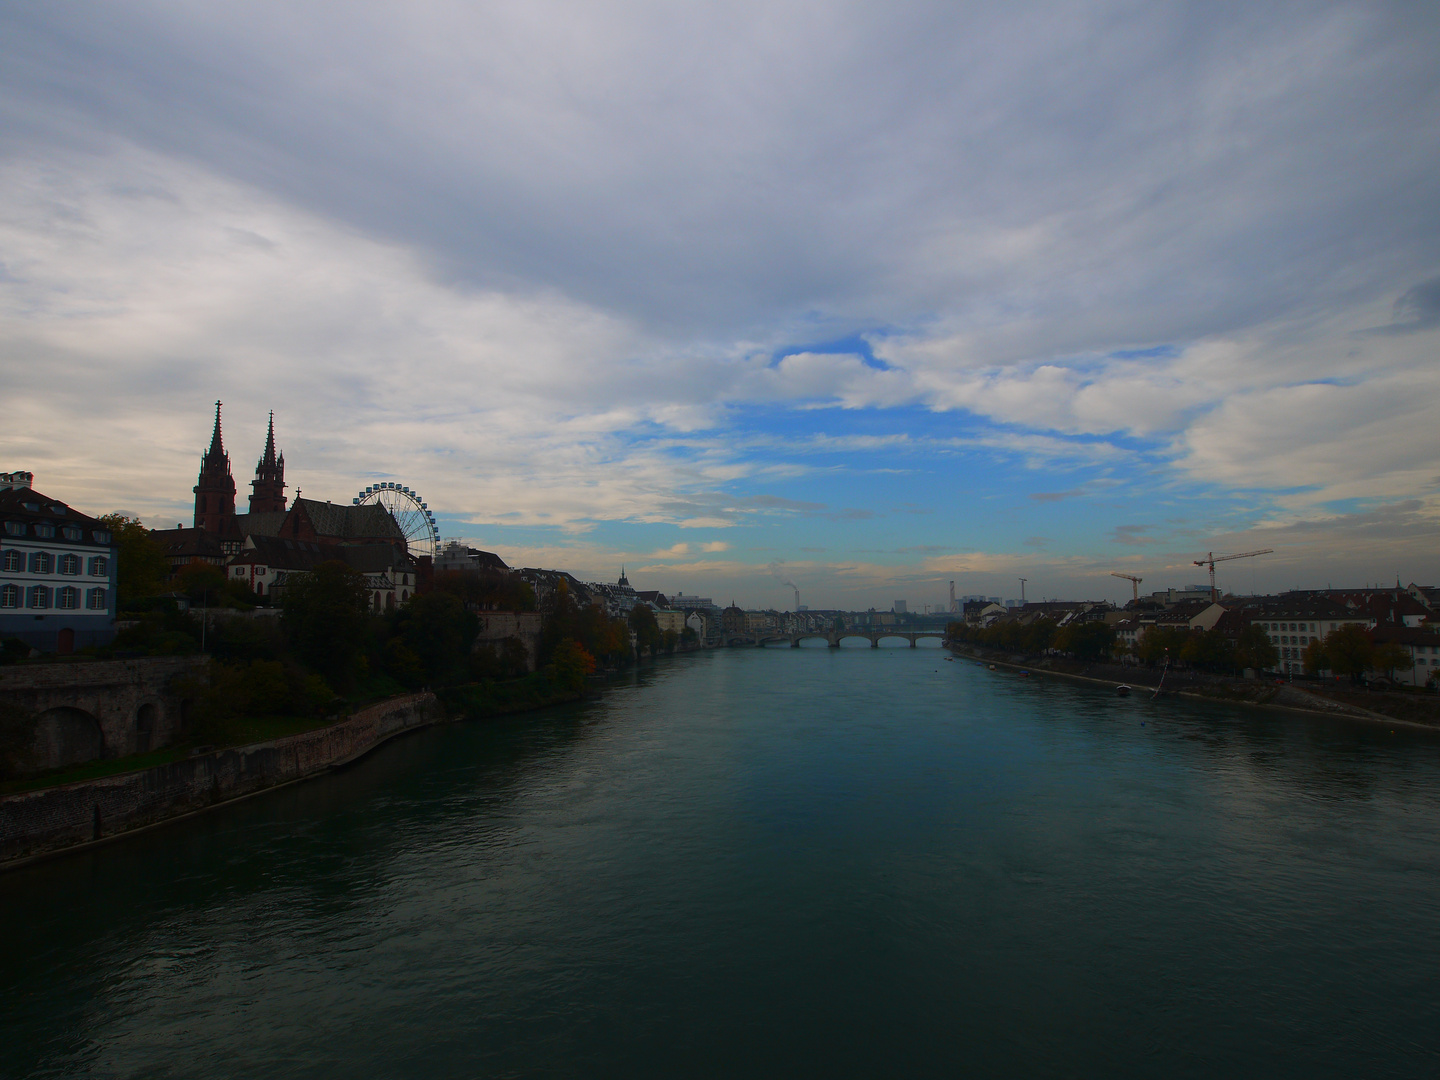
[(1319, 698)]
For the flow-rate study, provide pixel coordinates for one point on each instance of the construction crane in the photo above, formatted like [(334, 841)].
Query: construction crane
[(1211, 559), (1134, 582)]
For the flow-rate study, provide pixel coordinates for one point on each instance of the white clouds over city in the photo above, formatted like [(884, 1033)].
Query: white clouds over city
[(603, 279)]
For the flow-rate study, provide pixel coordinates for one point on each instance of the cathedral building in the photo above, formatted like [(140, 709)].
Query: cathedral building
[(308, 527)]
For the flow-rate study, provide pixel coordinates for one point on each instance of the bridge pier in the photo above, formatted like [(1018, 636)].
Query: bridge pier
[(912, 641), (874, 642), (795, 643)]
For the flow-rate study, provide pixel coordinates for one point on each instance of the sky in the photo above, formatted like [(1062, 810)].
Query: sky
[(864, 297)]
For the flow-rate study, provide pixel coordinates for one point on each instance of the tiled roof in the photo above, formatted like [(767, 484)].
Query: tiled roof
[(348, 522), (29, 506)]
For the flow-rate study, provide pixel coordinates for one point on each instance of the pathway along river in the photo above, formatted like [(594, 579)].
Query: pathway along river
[(810, 862)]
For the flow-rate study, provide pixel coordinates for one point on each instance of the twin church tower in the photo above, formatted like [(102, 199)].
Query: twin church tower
[(215, 489)]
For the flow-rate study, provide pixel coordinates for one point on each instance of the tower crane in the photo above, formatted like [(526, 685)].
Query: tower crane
[(1211, 559), (1134, 582)]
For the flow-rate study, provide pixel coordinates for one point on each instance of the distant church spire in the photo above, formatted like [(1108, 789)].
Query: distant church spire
[(267, 494), (215, 487)]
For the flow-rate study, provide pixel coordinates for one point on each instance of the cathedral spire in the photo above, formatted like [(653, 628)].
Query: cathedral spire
[(217, 444), (267, 493), (215, 488), (269, 458)]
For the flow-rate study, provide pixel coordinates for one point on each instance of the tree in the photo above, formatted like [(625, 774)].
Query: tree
[(1159, 642), (1316, 659), (1349, 651), (1254, 649), (201, 582), (647, 630), (438, 630), (1086, 641), (325, 615), (1209, 649), (142, 564), (1389, 656), (571, 663)]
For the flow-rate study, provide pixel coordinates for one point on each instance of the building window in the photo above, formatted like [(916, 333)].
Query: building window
[(41, 562), (96, 600), (14, 561), (102, 536), (71, 532), (70, 564), (99, 566), (10, 596), (39, 596), (15, 528), (68, 598), (45, 529)]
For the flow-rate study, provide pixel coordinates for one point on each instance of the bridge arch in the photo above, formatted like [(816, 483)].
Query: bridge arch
[(66, 736), (146, 719)]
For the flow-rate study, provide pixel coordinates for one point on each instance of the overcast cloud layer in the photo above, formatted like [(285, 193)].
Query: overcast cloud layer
[(882, 298)]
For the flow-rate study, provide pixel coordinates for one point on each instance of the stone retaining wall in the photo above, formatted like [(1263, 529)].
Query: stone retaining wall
[(37, 822)]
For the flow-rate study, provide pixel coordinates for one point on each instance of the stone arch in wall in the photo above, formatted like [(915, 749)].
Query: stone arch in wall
[(66, 736), (146, 717)]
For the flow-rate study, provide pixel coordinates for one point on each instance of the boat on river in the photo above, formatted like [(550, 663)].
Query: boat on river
[(1123, 690)]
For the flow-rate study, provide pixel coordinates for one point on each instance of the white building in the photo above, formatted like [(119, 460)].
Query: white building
[(57, 571)]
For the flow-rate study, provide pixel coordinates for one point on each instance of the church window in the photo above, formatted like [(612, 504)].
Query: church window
[(14, 561), (70, 564), (97, 600), (99, 566), (39, 596), (10, 596), (45, 529), (41, 562), (68, 598)]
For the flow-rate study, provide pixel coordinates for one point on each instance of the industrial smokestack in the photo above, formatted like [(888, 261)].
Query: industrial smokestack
[(952, 597), (797, 595)]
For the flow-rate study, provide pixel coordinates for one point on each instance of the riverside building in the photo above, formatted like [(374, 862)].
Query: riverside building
[(57, 571)]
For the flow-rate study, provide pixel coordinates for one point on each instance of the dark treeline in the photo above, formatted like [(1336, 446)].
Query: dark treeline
[(1207, 650)]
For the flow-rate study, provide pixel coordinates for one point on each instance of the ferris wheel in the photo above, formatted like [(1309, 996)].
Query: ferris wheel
[(411, 514)]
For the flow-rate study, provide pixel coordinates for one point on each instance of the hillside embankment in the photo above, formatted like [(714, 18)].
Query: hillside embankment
[(1411, 709)]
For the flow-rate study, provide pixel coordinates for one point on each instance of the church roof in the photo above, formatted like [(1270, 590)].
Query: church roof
[(348, 522), (261, 524)]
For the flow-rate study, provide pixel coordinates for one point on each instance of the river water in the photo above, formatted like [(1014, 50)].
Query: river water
[(773, 862)]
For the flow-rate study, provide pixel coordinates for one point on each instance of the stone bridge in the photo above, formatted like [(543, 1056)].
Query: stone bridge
[(101, 708), (833, 637)]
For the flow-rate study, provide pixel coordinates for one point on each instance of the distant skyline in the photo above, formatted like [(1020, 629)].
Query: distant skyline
[(863, 297)]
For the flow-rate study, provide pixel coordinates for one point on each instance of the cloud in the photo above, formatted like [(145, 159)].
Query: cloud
[(1131, 535), (563, 267)]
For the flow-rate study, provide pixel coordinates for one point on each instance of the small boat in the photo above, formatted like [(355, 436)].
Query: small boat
[(992, 667), (1123, 690)]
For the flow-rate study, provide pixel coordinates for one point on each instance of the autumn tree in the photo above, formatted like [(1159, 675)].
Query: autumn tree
[(325, 616), (1254, 649), (142, 564), (1349, 651), (1389, 657)]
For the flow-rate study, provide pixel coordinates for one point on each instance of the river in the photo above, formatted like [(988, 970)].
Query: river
[(781, 862)]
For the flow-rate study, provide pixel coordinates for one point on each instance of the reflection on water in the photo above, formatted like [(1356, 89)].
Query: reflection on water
[(779, 862)]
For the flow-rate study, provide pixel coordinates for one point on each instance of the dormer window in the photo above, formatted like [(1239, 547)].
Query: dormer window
[(14, 528), (44, 530), (34, 508), (102, 536), (72, 532)]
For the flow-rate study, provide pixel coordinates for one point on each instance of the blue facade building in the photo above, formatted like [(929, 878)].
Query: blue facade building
[(57, 571)]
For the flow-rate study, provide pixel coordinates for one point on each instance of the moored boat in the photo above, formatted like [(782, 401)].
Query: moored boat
[(1123, 690)]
